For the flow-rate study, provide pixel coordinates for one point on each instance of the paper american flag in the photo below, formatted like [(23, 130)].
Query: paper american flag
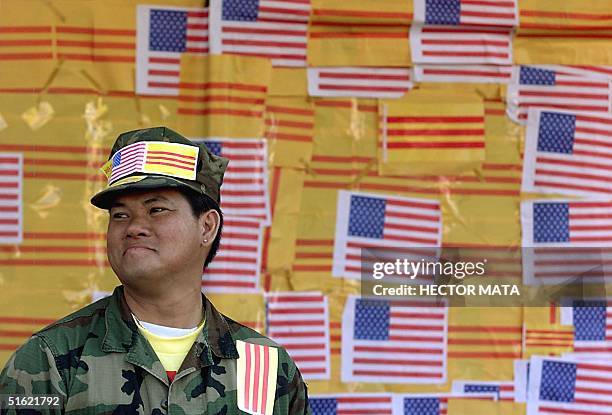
[(480, 74), (351, 403), (431, 403), (394, 341), (544, 88), (366, 82), (256, 368), (460, 45), (163, 35), (568, 153), (236, 267), (11, 198), (592, 322), (466, 12), (300, 323), (384, 223), (245, 185), (502, 390), (566, 240), (274, 29), (562, 386), (586, 71)]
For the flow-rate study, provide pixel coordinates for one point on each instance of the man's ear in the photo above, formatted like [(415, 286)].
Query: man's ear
[(209, 224)]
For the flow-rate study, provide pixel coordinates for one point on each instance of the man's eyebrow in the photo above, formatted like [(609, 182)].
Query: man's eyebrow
[(155, 199), (146, 202)]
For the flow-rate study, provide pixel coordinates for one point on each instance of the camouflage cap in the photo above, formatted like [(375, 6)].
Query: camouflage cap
[(208, 177)]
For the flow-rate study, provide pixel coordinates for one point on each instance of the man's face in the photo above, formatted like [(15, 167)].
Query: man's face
[(153, 236)]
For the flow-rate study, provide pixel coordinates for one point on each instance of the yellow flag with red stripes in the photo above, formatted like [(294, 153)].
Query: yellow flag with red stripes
[(26, 45), (570, 32), (351, 33), (223, 95), (289, 130), (431, 131)]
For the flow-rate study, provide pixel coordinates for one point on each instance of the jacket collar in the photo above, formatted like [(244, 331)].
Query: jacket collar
[(121, 331)]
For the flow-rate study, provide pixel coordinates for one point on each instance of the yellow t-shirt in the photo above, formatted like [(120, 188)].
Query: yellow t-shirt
[(172, 346)]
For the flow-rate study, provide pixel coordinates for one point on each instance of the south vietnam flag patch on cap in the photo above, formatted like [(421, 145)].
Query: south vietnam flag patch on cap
[(256, 378)]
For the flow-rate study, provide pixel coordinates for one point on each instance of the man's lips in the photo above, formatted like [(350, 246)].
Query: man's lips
[(137, 248)]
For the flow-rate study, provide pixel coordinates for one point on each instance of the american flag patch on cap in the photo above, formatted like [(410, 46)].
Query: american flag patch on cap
[(256, 378), (168, 159)]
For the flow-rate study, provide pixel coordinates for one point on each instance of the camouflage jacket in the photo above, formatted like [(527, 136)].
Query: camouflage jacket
[(98, 361)]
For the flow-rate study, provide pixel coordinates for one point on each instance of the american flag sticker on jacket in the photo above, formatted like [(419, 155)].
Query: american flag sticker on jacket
[(592, 322), (386, 224), (396, 341), (545, 88), (299, 321), (237, 265), (568, 153), (365, 82), (351, 403), (11, 198), (256, 378), (566, 241), (273, 29), (163, 35), (563, 386), (466, 12), (461, 45), (245, 184), (478, 74)]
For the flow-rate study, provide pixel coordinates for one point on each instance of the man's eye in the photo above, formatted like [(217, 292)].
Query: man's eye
[(119, 215), (157, 209)]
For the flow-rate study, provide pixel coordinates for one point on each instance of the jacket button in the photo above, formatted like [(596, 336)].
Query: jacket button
[(164, 404)]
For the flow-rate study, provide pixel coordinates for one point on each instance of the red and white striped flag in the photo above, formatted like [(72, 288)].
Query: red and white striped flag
[(586, 71), (128, 160), (592, 322), (568, 153), (394, 341), (467, 12), (256, 368), (11, 198), (385, 224), (163, 35), (366, 82), (245, 185), (568, 240), (274, 29), (236, 267), (563, 386), (351, 403), (480, 74), (502, 390), (543, 88), (300, 323), (461, 45)]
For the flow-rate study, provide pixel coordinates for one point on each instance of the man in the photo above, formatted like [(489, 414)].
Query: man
[(157, 345)]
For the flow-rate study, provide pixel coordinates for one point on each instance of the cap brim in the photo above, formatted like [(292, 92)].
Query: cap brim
[(104, 199)]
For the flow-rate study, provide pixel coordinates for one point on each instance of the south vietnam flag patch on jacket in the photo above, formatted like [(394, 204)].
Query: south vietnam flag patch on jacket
[(256, 378)]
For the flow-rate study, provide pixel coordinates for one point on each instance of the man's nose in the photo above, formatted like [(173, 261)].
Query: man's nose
[(138, 227)]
